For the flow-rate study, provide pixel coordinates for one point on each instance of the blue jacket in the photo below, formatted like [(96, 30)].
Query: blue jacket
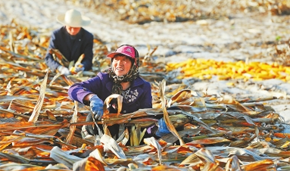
[(71, 48), (139, 96)]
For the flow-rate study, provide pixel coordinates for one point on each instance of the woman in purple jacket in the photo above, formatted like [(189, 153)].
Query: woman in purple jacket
[(122, 78), (72, 41)]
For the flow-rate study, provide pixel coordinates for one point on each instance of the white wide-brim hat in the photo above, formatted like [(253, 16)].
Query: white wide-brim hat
[(73, 18)]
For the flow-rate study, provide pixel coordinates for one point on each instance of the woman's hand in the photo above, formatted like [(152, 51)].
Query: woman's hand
[(96, 105)]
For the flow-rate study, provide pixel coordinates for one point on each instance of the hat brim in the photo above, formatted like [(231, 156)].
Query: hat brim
[(111, 55), (85, 21)]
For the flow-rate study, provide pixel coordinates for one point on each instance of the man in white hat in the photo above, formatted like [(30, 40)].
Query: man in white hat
[(72, 41)]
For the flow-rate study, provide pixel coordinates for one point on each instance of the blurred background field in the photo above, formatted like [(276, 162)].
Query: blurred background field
[(142, 11)]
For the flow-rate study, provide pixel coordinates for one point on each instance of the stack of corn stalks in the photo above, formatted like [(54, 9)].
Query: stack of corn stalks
[(40, 125)]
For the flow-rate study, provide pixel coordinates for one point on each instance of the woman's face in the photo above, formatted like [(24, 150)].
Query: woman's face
[(121, 65), (73, 30)]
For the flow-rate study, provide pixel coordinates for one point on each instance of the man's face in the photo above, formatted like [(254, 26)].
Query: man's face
[(73, 30)]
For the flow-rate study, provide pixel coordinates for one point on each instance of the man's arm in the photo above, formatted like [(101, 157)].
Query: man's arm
[(88, 51), (50, 62)]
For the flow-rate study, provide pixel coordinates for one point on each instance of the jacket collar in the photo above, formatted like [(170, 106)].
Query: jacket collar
[(137, 82)]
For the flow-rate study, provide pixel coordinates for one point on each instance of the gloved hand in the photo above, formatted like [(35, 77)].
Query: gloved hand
[(77, 68), (162, 128), (63, 70), (96, 105)]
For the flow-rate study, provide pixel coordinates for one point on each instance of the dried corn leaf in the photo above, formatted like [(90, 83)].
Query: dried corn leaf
[(38, 106), (165, 113), (111, 145), (151, 141), (73, 128), (63, 157)]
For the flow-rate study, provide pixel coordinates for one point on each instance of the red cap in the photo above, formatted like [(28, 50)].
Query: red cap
[(124, 50)]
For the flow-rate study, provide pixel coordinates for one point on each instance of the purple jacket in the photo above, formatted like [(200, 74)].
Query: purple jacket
[(138, 97), (71, 48)]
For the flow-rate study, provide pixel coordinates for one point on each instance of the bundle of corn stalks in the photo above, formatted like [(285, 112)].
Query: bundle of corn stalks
[(40, 125)]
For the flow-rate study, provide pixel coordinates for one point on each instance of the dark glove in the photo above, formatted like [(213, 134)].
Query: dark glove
[(162, 128), (96, 105)]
